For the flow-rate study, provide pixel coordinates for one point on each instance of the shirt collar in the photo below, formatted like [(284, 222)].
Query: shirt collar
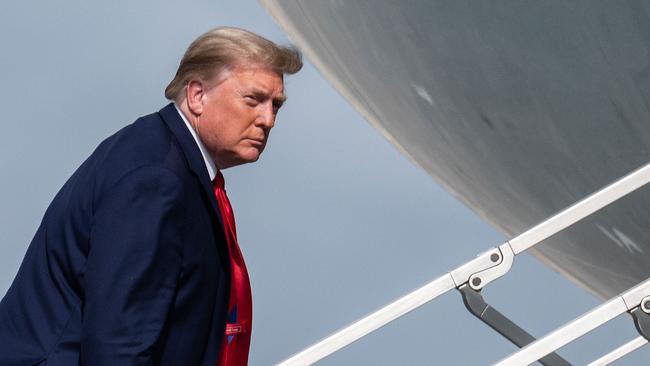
[(209, 163)]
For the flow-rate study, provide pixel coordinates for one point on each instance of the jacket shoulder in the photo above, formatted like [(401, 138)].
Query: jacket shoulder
[(147, 142)]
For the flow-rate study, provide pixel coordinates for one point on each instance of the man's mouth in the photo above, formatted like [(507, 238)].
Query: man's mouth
[(256, 142)]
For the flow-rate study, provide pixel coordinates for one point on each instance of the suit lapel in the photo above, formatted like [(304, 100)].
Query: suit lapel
[(192, 154)]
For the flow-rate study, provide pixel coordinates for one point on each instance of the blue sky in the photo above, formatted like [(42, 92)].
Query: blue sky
[(333, 222)]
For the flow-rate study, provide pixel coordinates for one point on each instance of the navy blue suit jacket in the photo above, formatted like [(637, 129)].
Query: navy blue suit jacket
[(129, 265)]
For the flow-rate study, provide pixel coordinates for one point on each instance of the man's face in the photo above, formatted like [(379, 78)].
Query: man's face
[(238, 114)]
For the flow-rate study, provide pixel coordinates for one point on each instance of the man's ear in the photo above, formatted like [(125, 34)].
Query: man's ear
[(195, 95)]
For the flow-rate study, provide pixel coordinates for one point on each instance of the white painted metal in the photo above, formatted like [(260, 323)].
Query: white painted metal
[(645, 304), (579, 327), (621, 351), (413, 300), (488, 275), (636, 294), (489, 266), (483, 261), (566, 333), (372, 322), (581, 209)]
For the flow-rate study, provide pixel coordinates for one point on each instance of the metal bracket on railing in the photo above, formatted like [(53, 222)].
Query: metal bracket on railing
[(642, 319), (503, 259), (485, 268), (476, 305), (470, 287)]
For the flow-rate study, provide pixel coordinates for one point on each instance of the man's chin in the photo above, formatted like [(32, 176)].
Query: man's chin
[(242, 156), (250, 156)]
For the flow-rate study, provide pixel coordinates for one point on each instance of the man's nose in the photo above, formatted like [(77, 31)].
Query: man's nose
[(266, 119)]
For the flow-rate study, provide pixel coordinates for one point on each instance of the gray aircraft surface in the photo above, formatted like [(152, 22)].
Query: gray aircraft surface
[(518, 108)]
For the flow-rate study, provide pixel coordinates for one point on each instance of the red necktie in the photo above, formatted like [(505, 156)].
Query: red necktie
[(237, 337)]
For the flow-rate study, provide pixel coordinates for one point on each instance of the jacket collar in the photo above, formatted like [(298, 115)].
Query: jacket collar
[(207, 159), (192, 153)]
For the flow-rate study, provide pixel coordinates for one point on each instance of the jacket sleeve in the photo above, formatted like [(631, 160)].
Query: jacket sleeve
[(133, 267)]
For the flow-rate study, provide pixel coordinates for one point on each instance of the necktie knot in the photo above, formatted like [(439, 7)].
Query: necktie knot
[(219, 182)]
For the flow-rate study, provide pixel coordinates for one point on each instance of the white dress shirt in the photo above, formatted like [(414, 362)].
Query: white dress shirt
[(209, 163)]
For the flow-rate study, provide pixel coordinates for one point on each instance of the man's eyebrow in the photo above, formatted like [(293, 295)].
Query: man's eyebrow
[(280, 99)]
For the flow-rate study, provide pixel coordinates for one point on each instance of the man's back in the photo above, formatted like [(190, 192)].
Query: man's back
[(128, 265)]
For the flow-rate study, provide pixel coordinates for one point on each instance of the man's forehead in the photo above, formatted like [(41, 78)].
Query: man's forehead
[(263, 79)]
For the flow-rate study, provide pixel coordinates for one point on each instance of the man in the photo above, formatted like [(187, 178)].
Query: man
[(136, 260)]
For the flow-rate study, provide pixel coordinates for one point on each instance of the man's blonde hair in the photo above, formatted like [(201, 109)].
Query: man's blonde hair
[(224, 48)]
